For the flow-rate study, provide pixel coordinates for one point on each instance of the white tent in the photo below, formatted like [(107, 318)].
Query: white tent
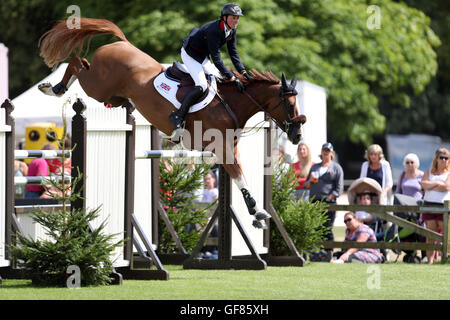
[(33, 106)]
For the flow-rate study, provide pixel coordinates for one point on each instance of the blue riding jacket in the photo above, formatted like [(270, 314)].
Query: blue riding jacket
[(205, 42)]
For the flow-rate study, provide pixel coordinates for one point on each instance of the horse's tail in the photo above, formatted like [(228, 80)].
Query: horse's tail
[(58, 43)]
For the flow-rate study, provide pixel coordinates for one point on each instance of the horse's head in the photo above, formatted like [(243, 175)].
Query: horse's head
[(290, 121), (280, 102)]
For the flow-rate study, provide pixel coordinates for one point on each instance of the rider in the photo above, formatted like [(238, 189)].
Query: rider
[(204, 43)]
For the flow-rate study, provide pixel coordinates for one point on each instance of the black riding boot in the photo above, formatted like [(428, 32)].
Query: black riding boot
[(177, 117)]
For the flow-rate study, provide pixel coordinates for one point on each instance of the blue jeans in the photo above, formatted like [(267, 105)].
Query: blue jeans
[(33, 194)]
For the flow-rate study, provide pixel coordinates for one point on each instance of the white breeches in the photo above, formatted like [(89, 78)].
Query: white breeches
[(197, 70)]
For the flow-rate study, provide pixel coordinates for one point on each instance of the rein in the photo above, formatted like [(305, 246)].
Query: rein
[(287, 124)]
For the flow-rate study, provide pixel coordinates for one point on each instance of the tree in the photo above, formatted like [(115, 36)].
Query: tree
[(430, 110)]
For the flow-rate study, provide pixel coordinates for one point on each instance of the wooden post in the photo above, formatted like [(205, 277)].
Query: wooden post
[(156, 145), (445, 232), (129, 179), (225, 214), (9, 170), (295, 259), (79, 137)]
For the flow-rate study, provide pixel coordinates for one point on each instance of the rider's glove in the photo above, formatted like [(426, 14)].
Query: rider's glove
[(246, 75), (239, 85)]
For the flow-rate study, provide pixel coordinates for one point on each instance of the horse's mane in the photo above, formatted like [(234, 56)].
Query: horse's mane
[(264, 76)]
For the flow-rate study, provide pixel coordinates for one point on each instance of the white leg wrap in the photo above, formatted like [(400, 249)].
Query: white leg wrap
[(71, 81)]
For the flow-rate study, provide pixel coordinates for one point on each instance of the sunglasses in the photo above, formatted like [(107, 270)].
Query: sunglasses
[(443, 158), (347, 220)]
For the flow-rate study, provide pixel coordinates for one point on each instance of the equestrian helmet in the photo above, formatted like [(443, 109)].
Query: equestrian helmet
[(231, 9)]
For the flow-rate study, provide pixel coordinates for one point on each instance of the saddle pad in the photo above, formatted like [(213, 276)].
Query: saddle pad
[(168, 89)]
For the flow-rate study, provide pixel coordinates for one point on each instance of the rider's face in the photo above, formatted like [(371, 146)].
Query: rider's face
[(232, 21)]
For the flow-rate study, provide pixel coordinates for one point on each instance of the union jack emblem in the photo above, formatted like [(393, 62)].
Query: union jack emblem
[(165, 86)]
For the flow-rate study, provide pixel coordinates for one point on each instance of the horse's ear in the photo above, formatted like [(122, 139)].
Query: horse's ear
[(283, 81), (294, 82)]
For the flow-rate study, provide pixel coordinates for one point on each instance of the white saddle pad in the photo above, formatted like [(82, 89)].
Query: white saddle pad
[(168, 89)]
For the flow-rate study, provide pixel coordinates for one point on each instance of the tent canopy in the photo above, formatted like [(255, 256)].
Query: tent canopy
[(33, 106)]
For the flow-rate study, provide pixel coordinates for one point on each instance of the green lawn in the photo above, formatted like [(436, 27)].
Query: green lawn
[(314, 281)]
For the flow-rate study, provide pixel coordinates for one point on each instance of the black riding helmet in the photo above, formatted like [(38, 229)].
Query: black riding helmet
[(231, 9)]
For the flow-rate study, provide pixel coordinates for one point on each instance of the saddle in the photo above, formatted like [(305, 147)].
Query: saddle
[(178, 73)]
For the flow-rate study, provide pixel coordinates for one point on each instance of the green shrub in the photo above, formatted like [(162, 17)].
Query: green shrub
[(71, 241), (178, 183), (303, 220)]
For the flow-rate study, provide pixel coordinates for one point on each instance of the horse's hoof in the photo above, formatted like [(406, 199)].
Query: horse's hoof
[(262, 215), (260, 224), (47, 89)]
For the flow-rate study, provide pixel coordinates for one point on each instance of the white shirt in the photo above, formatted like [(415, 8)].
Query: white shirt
[(227, 32), (210, 194), (437, 196)]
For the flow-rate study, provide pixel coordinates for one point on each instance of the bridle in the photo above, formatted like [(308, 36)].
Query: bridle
[(284, 92)]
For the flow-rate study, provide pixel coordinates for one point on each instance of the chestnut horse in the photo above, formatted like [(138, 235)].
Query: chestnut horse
[(120, 71)]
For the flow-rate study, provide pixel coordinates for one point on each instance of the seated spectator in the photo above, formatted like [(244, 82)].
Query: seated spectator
[(364, 198), (38, 167), (20, 170), (357, 231), (55, 165)]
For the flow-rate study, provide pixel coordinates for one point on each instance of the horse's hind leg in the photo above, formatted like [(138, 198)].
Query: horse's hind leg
[(76, 65)]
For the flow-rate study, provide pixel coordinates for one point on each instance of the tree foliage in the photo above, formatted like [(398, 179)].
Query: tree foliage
[(304, 220), (178, 185), (326, 42)]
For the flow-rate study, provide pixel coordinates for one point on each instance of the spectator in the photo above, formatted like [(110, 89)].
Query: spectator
[(325, 182), (436, 183), (20, 170), (409, 182), (301, 169), (364, 198), (210, 192), (359, 232), (377, 168), (55, 165), (38, 167)]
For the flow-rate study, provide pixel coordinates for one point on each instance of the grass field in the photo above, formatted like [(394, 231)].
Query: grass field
[(314, 281), (322, 281)]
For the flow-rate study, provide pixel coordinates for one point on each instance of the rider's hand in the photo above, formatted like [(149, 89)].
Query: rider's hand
[(238, 84), (246, 75)]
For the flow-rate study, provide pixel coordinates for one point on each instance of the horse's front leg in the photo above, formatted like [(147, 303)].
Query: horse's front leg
[(252, 205), (234, 169)]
